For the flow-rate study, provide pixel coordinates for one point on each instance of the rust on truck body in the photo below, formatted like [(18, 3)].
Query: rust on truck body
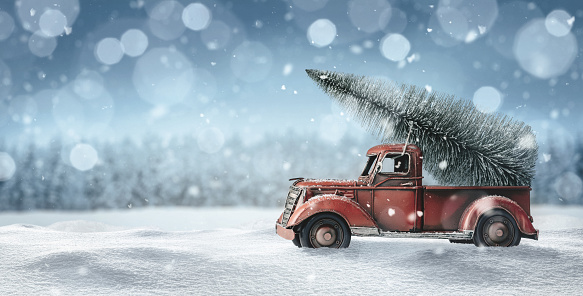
[(388, 199)]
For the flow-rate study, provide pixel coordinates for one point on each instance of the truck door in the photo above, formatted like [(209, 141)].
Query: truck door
[(394, 194)]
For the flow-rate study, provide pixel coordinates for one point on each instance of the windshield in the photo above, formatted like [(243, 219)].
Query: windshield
[(368, 166)]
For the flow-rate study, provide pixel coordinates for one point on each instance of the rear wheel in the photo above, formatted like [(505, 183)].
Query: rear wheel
[(325, 231), (496, 228)]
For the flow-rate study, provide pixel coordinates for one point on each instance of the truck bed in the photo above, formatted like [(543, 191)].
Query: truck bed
[(443, 206)]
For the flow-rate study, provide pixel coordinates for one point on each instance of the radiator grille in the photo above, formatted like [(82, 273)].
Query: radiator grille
[(290, 203)]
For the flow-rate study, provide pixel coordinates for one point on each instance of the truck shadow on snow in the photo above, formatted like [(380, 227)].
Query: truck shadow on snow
[(437, 261), (568, 246)]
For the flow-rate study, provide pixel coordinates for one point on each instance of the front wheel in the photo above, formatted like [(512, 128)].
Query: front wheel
[(296, 240), (496, 228), (325, 231)]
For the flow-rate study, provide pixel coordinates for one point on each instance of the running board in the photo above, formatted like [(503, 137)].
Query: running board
[(373, 231)]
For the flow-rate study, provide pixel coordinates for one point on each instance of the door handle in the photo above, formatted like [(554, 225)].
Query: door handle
[(407, 184)]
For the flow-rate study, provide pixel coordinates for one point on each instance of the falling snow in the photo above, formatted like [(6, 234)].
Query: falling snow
[(179, 95)]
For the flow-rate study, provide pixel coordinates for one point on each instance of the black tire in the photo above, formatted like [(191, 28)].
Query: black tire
[(496, 228), (296, 240), (325, 231)]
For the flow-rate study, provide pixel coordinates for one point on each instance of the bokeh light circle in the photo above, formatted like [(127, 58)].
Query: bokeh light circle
[(83, 157), (462, 21), (321, 33), (395, 47), (7, 166), (196, 16), (52, 22), (6, 25), (41, 45), (166, 20), (487, 99), (30, 11), (510, 19), (134, 42), (559, 23), (109, 51), (453, 22), (541, 54)]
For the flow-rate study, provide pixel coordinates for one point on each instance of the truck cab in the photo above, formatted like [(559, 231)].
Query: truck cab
[(389, 200)]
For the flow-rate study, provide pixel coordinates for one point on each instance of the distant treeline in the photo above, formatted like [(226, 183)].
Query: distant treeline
[(175, 172)]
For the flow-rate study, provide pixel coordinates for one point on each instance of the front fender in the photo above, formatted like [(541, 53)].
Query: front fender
[(350, 211), (473, 212)]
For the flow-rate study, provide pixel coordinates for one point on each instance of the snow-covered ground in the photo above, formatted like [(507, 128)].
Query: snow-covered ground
[(235, 251)]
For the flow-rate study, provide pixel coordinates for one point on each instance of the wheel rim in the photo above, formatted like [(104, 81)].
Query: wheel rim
[(326, 233), (498, 231)]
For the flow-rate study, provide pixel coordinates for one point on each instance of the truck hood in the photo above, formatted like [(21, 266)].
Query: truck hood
[(325, 183)]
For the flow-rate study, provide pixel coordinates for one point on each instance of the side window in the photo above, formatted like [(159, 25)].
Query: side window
[(395, 163)]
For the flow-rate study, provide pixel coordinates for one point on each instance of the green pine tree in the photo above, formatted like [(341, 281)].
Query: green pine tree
[(461, 145)]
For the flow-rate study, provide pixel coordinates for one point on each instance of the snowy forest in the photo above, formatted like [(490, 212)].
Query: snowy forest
[(176, 172), (158, 172), (127, 104)]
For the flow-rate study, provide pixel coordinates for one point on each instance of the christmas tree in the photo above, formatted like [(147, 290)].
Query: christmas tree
[(461, 145)]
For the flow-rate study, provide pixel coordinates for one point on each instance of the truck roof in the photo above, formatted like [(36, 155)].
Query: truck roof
[(392, 147)]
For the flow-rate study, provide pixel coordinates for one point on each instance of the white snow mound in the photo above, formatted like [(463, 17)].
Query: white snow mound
[(91, 258), (83, 226)]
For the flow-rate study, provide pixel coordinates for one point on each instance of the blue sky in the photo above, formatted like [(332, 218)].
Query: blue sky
[(237, 67)]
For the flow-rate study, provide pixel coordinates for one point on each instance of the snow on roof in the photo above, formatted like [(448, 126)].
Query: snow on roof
[(392, 147)]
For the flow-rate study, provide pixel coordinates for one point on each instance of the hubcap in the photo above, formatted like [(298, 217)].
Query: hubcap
[(326, 233), (498, 231), (325, 236)]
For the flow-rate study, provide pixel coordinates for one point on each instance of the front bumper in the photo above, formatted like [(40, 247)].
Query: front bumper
[(288, 234)]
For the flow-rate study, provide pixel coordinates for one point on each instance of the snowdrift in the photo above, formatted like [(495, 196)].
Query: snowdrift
[(92, 257)]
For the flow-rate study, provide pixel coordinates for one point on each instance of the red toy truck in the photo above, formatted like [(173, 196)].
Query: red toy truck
[(389, 200)]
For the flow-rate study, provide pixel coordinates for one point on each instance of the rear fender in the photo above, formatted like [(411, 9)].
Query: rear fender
[(350, 211), (473, 212)]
